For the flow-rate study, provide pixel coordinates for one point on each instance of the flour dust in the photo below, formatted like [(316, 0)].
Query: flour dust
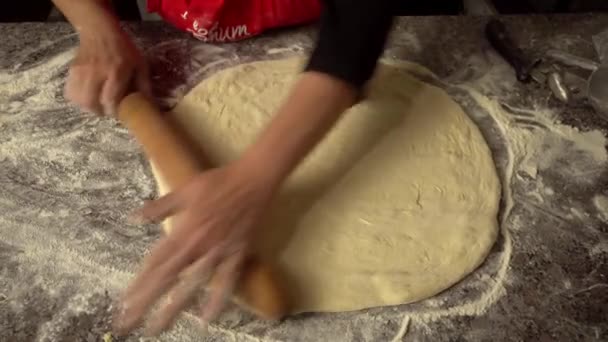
[(63, 205), (536, 144), (68, 180)]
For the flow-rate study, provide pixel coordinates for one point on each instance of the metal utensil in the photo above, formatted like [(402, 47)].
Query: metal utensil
[(558, 88), (559, 85), (571, 60)]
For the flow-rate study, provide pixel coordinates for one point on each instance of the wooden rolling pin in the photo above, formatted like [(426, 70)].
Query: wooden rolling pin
[(178, 161)]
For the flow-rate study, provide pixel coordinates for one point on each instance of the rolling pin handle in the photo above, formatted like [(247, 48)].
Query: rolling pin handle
[(501, 40)]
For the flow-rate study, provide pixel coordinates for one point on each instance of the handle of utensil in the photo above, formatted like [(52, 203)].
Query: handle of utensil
[(501, 40)]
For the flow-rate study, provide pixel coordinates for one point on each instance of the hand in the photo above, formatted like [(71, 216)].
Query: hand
[(106, 66), (218, 213)]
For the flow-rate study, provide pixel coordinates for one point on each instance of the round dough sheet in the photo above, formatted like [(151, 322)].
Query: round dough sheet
[(395, 205)]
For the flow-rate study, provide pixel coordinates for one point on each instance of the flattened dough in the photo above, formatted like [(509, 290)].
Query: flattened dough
[(398, 203)]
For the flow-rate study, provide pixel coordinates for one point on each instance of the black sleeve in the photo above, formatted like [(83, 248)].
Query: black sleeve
[(351, 39)]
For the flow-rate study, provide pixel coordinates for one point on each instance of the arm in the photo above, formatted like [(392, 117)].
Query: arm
[(87, 16), (314, 105), (351, 39), (220, 209)]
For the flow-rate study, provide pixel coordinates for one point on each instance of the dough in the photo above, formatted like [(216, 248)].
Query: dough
[(396, 204)]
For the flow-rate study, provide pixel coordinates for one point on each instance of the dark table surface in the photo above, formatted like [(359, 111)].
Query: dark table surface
[(68, 180)]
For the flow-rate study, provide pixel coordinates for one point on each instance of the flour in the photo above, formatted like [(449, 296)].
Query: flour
[(401, 43), (537, 142), (540, 143), (488, 281), (601, 204), (369, 240), (538, 139), (296, 48), (402, 329), (80, 304), (485, 73), (188, 67), (36, 88), (64, 208), (63, 201)]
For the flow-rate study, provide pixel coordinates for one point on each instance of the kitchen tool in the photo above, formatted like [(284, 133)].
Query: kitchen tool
[(572, 60), (557, 86), (501, 40), (176, 160), (596, 85), (577, 85)]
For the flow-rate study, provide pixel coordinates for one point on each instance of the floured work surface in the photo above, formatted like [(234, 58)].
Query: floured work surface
[(397, 203), (68, 180)]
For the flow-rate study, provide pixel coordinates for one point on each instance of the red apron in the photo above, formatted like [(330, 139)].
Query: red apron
[(232, 20)]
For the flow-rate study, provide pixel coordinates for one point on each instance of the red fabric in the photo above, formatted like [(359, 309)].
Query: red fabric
[(232, 20)]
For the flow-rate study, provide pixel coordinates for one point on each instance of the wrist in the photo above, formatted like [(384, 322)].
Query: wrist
[(89, 17), (261, 167), (101, 25)]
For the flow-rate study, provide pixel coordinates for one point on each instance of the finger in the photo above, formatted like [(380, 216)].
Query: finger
[(84, 87), (161, 253), (225, 279), (152, 284), (194, 277), (158, 209), (132, 309), (114, 89)]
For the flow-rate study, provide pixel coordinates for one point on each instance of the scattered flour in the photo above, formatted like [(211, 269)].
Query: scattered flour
[(601, 204), (28, 85), (540, 142), (296, 48), (63, 201), (537, 142), (405, 41), (402, 329)]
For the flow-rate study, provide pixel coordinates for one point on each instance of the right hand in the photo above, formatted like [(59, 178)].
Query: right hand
[(106, 67)]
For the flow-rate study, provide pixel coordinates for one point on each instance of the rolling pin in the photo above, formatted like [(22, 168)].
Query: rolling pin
[(259, 288)]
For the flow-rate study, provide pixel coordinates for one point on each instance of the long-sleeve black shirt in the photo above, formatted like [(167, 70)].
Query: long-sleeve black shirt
[(351, 38)]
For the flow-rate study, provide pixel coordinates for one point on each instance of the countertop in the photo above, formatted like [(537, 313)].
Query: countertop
[(68, 180)]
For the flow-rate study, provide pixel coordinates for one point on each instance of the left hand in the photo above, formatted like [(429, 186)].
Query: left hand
[(218, 212)]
